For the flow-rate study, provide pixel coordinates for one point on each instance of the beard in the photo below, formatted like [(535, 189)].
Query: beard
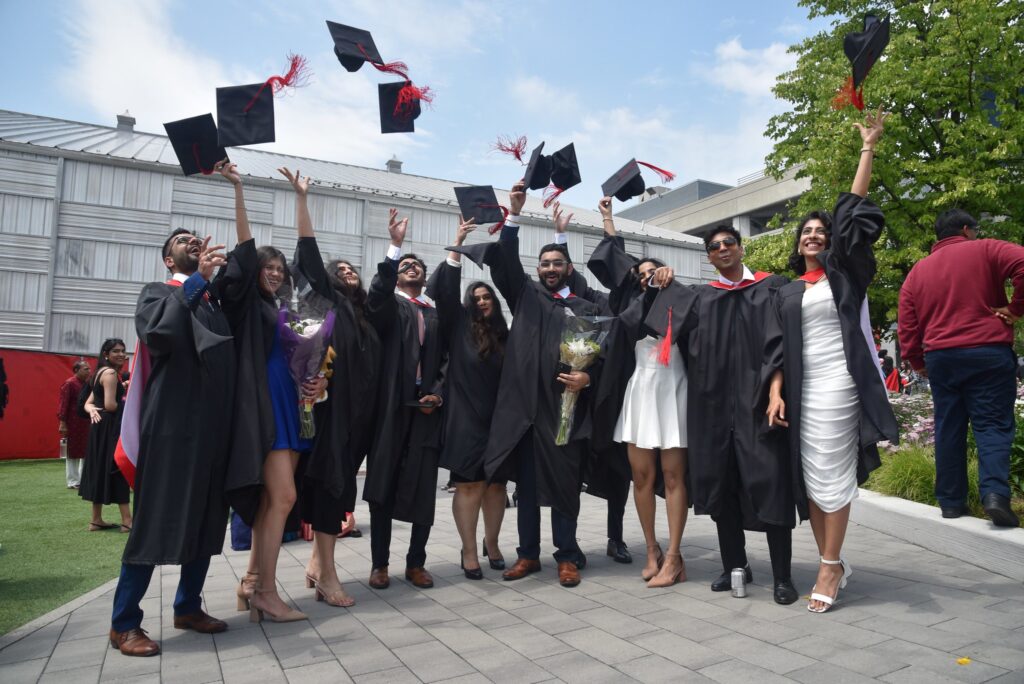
[(186, 263), (558, 285)]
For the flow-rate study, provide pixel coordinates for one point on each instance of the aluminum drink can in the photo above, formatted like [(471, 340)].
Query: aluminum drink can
[(739, 582)]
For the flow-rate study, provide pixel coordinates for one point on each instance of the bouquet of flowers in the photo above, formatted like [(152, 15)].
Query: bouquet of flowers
[(580, 347), (305, 328)]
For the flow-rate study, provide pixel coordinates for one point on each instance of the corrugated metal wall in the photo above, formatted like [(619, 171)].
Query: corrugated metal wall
[(79, 238)]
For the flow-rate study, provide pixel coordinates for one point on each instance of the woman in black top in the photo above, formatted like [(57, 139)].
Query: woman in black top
[(102, 481), (475, 334)]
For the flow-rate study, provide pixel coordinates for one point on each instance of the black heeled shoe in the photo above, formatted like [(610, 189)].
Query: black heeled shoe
[(495, 563), (470, 573)]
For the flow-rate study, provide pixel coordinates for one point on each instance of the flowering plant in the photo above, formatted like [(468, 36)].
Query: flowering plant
[(580, 347), (305, 328)]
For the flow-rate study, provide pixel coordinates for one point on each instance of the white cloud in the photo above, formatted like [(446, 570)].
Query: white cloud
[(751, 72), (125, 55), (536, 96)]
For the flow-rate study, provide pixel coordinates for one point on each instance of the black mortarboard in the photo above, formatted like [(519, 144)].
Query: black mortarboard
[(347, 44), (479, 202), (245, 115), (675, 301), (626, 183), (565, 171), (477, 253), (538, 170), (863, 49), (391, 119), (195, 143)]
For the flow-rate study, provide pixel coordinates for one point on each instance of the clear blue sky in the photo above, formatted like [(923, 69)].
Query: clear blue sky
[(684, 85)]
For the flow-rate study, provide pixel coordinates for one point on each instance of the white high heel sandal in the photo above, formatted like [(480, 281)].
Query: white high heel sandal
[(829, 601)]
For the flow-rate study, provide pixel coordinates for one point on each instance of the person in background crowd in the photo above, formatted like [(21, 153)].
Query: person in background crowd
[(102, 482), (956, 330), (73, 428)]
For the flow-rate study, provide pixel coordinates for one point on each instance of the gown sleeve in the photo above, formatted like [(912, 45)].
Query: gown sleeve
[(614, 269), (311, 265), (507, 268), (857, 224), (443, 288), (381, 306)]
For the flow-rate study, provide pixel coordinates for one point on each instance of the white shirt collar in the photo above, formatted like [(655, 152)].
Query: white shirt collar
[(564, 292), (421, 299), (180, 277), (747, 275)]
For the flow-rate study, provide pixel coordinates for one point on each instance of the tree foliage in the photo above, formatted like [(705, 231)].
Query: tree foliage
[(952, 77)]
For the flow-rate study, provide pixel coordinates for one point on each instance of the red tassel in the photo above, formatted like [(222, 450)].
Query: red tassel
[(514, 146), (408, 96), (848, 95), (500, 224), (551, 193), (665, 348), (666, 176), (398, 68), (195, 155), (298, 72)]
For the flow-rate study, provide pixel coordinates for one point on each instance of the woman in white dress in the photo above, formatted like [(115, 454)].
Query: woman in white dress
[(827, 385)]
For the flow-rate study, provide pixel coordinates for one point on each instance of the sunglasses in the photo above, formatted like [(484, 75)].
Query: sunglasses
[(728, 242)]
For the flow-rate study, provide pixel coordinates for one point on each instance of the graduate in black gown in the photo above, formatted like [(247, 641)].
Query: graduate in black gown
[(180, 512), (345, 422), (834, 402), (401, 471), (521, 445), (266, 438), (475, 334), (738, 468)]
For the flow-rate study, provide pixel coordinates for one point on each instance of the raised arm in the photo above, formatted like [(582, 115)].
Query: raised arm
[(507, 269), (870, 132), (301, 186), (446, 282), (230, 171), (381, 307)]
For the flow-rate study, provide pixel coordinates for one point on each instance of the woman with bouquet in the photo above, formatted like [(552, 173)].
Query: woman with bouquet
[(265, 426), (475, 333), (345, 421), (827, 385)]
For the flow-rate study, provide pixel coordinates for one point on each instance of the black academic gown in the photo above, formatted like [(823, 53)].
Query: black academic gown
[(849, 264), (253, 318), (721, 333), (402, 465), (529, 395), (180, 506), (471, 382), (346, 421)]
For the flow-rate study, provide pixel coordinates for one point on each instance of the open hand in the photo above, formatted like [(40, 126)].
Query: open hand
[(871, 129), (1004, 314), (299, 183), (397, 227), (229, 170), (517, 198), (465, 228), (210, 258), (561, 222), (776, 411)]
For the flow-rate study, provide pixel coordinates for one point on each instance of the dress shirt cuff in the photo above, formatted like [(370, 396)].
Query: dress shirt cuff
[(561, 239), (394, 252), (453, 263), (512, 220)]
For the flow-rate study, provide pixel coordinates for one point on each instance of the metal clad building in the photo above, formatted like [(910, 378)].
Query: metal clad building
[(84, 210)]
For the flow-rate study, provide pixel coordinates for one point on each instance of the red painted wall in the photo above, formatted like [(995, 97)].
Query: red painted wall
[(28, 424)]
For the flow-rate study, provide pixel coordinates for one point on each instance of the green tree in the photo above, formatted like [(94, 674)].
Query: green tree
[(952, 77)]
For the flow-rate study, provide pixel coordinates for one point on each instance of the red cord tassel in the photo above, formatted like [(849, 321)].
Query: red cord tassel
[(195, 155), (500, 224), (298, 72), (666, 176), (848, 95), (408, 96), (514, 146), (551, 193), (665, 348), (398, 68)]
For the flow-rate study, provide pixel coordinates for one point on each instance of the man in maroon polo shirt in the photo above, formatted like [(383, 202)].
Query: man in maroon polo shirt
[(956, 329)]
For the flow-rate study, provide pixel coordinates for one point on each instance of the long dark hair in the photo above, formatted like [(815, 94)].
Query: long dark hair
[(356, 295), (266, 254), (796, 260), (102, 360), (490, 333)]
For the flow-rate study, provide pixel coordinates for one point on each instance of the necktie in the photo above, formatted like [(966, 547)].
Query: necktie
[(421, 328)]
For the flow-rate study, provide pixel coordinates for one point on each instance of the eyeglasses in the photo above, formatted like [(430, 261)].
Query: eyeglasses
[(186, 239), (557, 263), (728, 242)]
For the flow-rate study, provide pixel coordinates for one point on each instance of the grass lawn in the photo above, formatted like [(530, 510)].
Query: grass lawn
[(47, 557)]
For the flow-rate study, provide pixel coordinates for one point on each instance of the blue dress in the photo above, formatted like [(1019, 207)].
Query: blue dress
[(285, 400)]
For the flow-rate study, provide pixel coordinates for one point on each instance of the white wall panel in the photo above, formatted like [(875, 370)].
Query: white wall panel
[(24, 254), (21, 291), (112, 224), (215, 197), (27, 175), (329, 214), (116, 186), (21, 330), (83, 333), (686, 262), (20, 215), (221, 231), (108, 261), (89, 295), (332, 245)]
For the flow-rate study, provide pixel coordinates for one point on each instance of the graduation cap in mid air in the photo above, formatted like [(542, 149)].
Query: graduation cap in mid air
[(480, 203), (353, 46), (400, 105), (863, 50), (565, 173), (195, 144), (538, 169), (627, 182), (477, 253), (245, 114)]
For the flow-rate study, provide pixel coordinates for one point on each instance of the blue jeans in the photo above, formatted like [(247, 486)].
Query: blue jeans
[(976, 384), (134, 581)]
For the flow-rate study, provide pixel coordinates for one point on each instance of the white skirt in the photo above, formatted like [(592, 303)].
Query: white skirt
[(654, 407)]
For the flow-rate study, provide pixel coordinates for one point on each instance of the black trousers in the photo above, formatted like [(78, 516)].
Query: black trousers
[(732, 541), (563, 527), (380, 539), (617, 509)]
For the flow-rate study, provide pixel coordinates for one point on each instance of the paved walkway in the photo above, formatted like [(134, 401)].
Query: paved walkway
[(908, 615)]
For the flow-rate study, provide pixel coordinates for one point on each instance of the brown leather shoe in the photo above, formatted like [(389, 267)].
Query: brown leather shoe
[(568, 574), (379, 578), (521, 569), (200, 622), (419, 577), (134, 642)]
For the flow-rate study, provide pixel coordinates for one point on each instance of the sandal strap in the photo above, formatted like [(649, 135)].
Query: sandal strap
[(824, 599), (826, 561)]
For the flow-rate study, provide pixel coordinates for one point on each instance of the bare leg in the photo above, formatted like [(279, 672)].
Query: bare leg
[(254, 555), (494, 513), (97, 516), (279, 484), (466, 511), (326, 578), (126, 515), (830, 539), (673, 467), (641, 462)]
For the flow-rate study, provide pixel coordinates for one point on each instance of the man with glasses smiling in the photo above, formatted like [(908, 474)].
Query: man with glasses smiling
[(738, 470)]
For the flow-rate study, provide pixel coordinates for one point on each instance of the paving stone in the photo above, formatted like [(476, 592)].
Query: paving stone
[(38, 644), (826, 673), (679, 650), (575, 666), (857, 660), (301, 648), (942, 663), (502, 664), (734, 671), (605, 647), (759, 653), (530, 641), (654, 668), (258, 669), (398, 632), (363, 654), (693, 629), (119, 666), (22, 671), (918, 634), (397, 675), (462, 637), (614, 622), (548, 619), (327, 672), (83, 675), (433, 661), (234, 644), (79, 653), (997, 654)]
